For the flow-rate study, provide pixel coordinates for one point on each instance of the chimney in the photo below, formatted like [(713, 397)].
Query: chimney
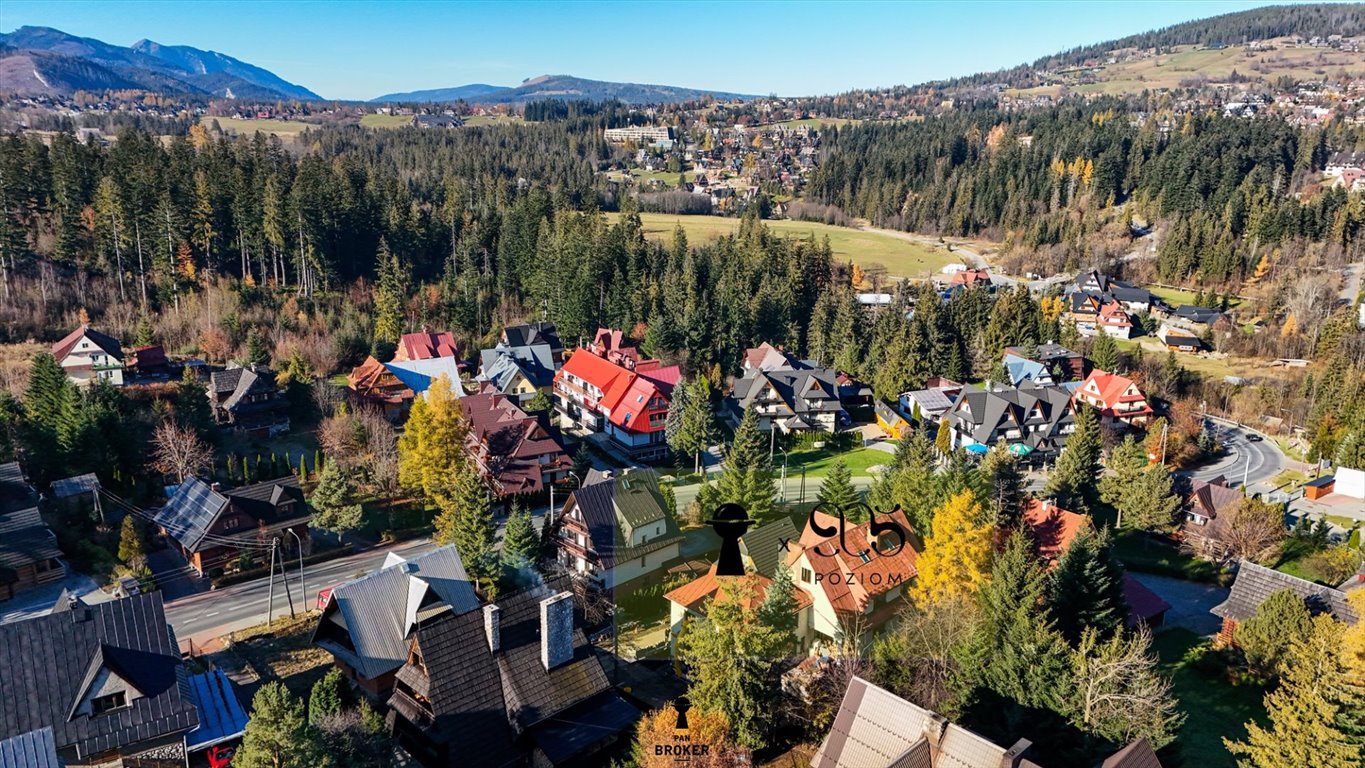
[(556, 630), (215, 486), (492, 626), (934, 726), (1015, 754)]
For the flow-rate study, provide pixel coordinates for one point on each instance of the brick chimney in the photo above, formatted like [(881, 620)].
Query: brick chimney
[(492, 626), (934, 727), (556, 630), (1015, 754)]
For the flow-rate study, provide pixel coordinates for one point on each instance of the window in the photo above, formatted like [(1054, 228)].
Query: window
[(101, 704), (805, 575), (230, 523)]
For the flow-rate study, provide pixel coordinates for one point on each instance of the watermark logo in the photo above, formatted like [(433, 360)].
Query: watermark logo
[(682, 749), (876, 530), (730, 522)]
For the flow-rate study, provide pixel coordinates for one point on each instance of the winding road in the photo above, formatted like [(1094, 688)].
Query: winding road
[(1247, 461)]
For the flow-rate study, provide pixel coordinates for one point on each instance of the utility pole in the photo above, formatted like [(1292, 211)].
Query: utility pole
[(270, 593), (284, 577), (303, 588)]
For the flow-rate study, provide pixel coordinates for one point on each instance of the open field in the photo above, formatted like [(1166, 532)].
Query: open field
[(288, 128), (1206, 365), (819, 122), (1178, 296), (642, 177), (1185, 63), (385, 121), (477, 120), (900, 257)]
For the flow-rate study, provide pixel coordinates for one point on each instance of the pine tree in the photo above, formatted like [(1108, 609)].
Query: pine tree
[(690, 427), (910, 484), (130, 548), (748, 476), (328, 696), (52, 411), (520, 544), (256, 353), (1280, 620), (388, 296), (837, 494), (1104, 353), (1072, 484), (956, 558), (334, 502), (1005, 483), (466, 521), (943, 438), (278, 734), (1304, 710), (778, 609), (1151, 502), (1085, 589)]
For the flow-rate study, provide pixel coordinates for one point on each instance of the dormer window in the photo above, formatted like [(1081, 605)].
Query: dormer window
[(108, 703)]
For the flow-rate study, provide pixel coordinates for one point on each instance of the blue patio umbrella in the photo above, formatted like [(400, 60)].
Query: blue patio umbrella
[(977, 448)]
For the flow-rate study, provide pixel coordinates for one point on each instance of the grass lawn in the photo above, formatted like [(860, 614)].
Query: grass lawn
[(818, 462), (901, 258), (1177, 296), (289, 128), (477, 120), (385, 121), (1145, 554), (284, 652), (819, 122), (1214, 708), (644, 177)]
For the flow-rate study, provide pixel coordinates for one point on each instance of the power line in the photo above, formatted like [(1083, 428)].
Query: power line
[(180, 529)]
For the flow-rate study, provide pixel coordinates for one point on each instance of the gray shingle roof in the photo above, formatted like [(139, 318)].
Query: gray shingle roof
[(34, 749), (983, 412), (876, 729), (366, 621), (1138, 754), (763, 545), (501, 364), (75, 486), (1255, 583), (45, 661), (612, 507), (191, 512)]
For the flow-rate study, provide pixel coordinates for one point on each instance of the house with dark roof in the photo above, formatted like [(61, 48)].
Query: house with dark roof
[(515, 683), (514, 451), (212, 527), (88, 356), (791, 395), (29, 556), (248, 400), (1208, 508), (1062, 363), (1118, 399), (517, 372), (107, 680), (531, 334), (874, 728), (366, 622), (34, 749), (1034, 421), (1195, 318), (1254, 583), (626, 400), (616, 529), (762, 548)]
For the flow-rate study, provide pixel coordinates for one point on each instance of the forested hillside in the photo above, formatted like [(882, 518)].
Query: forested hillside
[(1226, 187)]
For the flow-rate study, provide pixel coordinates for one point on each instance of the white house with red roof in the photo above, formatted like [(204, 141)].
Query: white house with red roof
[(855, 582), (1117, 398), (627, 400), (88, 356)]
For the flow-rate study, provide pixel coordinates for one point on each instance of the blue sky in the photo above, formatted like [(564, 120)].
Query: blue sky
[(359, 49)]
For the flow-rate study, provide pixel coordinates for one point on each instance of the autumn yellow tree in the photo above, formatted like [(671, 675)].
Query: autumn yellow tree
[(658, 736), (956, 559), (858, 276), (432, 446)]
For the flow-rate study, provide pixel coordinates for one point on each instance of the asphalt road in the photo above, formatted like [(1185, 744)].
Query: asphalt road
[(209, 615), (1244, 460)]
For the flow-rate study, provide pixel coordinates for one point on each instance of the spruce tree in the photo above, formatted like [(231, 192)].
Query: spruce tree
[(1304, 710), (466, 521), (1104, 353), (778, 609), (910, 484), (1005, 484), (388, 296), (1151, 501), (520, 544), (334, 502), (1085, 589), (130, 548), (748, 476), (1072, 484), (837, 494), (1265, 638), (328, 696), (278, 734)]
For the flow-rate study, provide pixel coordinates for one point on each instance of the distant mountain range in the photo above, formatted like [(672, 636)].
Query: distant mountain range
[(564, 87), (42, 60)]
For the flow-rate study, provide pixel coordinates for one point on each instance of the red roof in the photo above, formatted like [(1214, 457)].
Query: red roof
[(1114, 314), (425, 345), (1107, 390), (626, 394), (970, 277), (707, 587), (870, 578), (1143, 604), (107, 343), (1052, 528)]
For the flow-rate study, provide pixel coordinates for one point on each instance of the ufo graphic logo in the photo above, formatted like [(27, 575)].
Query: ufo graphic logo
[(681, 705), (730, 522)]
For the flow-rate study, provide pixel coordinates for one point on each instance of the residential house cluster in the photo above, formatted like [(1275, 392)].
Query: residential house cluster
[(516, 453), (247, 399), (419, 358), (1033, 420), (29, 556), (616, 528), (213, 527), (608, 388), (792, 396)]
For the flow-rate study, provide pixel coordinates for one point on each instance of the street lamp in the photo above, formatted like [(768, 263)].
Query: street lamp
[(303, 589), (782, 493)]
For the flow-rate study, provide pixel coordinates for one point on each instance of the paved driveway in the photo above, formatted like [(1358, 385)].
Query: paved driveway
[(1190, 601)]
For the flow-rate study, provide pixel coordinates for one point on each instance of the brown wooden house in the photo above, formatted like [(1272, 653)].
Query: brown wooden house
[(213, 527)]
